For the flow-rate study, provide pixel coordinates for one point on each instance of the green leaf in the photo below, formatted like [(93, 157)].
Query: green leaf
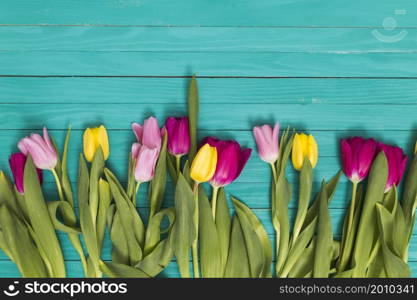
[(409, 201), (96, 172), (86, 219), (104, 203), (116, 270), (324, 242), (156, 261), (153, 232), (304, 266), (257, 243), (210, 250), (193, 116), (66, 183), (183, 231), (128, 218), (237, 262), (7, 196), (171, 167), (20, 243), (395, 267), (120, 251), (223, 225), (367, 230), (65, 208), (306, 183), (158, 183), (40, 219)]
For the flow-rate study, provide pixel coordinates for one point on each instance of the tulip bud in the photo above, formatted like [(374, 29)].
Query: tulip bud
[(178, 135), (17, 165), (204, 164), (304, 146), (397, 162), (94, 138), (40, 149), (267, 142), (230, 160), (357, 157), (149, 134)]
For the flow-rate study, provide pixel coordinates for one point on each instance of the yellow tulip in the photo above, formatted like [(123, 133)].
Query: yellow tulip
[(94, 138), (304, 146), (204, 164)]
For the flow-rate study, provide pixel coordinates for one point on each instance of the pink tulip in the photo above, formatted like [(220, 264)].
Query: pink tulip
[(146, 151), (397, 162), (40, 149), (149, 134), (357, 157), (267, 141), (231, 160), (178, 135), (146, 159), (17, 165)]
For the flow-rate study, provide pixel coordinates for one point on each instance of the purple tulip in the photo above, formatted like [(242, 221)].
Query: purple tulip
[(397, 162), (40, 149), (230, 160), (267, 141), (357, 157), (146, 151), (17, 165), (178, 135)]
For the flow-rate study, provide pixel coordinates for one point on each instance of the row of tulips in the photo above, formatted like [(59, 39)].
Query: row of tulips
[(374, 241)]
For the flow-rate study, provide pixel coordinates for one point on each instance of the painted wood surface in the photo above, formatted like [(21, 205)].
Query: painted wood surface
[(332, 68)]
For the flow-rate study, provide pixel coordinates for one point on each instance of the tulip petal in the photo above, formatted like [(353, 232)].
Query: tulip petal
[(145, 164), (313, 152), (151, 134), (103, 141), (138, 131)]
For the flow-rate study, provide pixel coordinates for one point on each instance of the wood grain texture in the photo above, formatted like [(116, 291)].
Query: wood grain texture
[(202, 39), (259, 64), (314, 65), (258, 91), (309, 13)]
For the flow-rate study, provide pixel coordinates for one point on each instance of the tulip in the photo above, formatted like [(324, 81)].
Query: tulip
[(40, 149), (149, 134), (304, 146), (145, 162), (397, 162), (267, 141), (357, 157), (93, 139), (204, 164), (146, 151), (178, 135), (230, 160), (17, 165)]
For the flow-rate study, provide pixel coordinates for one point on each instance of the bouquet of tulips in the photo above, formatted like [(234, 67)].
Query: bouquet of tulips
[(208, 234)]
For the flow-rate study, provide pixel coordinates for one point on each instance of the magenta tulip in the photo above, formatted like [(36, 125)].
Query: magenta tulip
[(357, 157), (178, 135), (40, 149), (231, 160), (397, 162), (17, 165), (145, 153), (267, 141)]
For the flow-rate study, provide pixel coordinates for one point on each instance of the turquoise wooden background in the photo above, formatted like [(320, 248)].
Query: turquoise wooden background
[(335, 68)]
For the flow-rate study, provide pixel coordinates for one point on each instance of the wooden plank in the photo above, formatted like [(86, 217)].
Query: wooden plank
[(202, 39), (247, 64), (203, 13), (212, 90), (213, 116)]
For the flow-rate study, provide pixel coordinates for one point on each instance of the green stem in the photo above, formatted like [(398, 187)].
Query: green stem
[(58, 185), (136, 193), (346, 244), (214, 202), (195, 242), (178, 163), (274, 172)]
